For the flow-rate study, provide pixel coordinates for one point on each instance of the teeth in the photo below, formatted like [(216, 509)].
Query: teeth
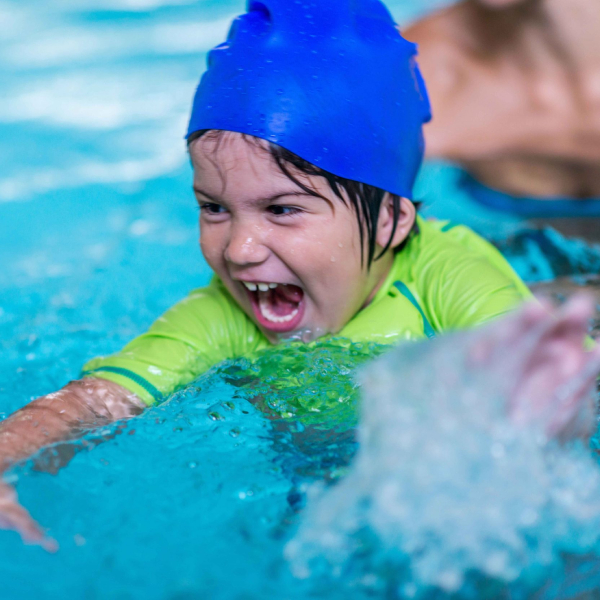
[(263, 287), (268, 314)]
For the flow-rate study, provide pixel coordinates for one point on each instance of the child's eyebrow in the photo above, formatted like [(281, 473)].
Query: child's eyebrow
[(267, 200), (197, 190)]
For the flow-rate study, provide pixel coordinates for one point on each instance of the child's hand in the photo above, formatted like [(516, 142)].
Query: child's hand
[(558, 381), (14, 517), (543, 353)]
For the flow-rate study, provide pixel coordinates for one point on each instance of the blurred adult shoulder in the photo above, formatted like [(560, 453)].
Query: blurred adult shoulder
[(450, 54)]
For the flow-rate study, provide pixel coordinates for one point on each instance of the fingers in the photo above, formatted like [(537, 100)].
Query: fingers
[(505, 333), (576, 314), (554, 374), (16, 518), (49, 545), (581, 305), (573, 412), (569, 324)]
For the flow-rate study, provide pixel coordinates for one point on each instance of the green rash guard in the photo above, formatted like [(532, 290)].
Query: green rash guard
[(446, 278)]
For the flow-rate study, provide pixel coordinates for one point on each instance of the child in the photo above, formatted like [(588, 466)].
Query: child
[(304, 159), (305, 139)]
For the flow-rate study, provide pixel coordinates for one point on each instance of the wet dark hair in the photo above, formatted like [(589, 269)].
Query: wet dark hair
[(365, 199)]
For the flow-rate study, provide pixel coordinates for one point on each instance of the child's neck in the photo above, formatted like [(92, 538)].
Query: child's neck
[(380, 269)]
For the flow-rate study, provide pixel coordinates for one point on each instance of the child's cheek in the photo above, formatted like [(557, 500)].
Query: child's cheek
[(210, 251)]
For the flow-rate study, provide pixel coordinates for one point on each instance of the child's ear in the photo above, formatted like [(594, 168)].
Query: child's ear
[(385, 223)]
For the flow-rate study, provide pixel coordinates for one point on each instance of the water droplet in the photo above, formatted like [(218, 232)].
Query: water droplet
[(234, 432), (229, 405), (192, 465), (215, 416)]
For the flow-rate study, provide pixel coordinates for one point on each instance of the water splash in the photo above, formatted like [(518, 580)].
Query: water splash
[(203, 486), (446, 495)]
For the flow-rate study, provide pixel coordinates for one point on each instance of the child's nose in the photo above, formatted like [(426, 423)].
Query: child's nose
[(246, 246)]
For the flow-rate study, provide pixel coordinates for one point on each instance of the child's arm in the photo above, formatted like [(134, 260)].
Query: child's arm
[(64, 415)]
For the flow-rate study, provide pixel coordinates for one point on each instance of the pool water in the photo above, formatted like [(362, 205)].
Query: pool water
[(202, 496)]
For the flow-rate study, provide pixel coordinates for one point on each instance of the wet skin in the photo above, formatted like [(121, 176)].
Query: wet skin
[(258, 226), (515, 90)]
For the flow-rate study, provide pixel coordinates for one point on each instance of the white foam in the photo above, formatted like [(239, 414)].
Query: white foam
[(444, 485)]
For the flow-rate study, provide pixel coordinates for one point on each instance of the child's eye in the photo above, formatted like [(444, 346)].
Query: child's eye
[(212, 209), (279, 210)]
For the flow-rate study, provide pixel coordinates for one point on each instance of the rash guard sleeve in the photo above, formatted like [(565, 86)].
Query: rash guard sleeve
[(199, 332)]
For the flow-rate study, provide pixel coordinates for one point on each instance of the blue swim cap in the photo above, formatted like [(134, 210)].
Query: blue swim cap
[(332, 81)]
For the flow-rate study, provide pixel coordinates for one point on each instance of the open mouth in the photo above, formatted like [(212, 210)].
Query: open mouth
[(278, 307)]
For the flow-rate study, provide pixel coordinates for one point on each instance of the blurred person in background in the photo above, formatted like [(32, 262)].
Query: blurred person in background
[(515, 89)]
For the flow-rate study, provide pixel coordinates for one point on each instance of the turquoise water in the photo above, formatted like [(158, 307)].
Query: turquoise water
[(199, 497)]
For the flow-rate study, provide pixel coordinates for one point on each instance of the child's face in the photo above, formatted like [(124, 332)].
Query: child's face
[(291, 260)]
